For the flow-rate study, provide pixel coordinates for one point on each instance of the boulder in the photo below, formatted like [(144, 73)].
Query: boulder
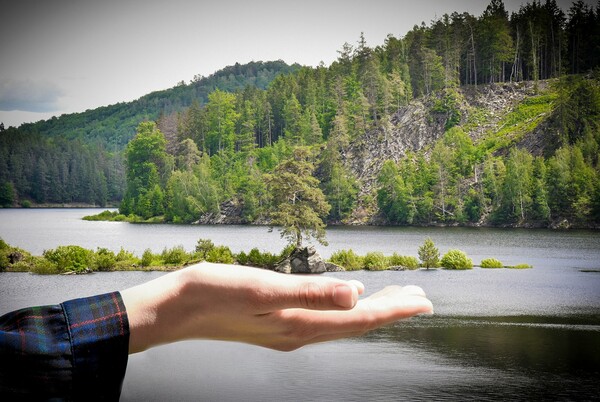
[(331, 267), (15, 257), (284, 267), (303, 261)]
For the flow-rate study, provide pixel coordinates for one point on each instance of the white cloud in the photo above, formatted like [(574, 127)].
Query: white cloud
[(29, 95)]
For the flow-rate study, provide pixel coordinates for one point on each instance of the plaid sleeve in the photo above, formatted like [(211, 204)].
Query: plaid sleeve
[(74, 351)]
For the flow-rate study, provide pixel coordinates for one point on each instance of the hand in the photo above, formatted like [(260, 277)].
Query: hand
[(260, 307)]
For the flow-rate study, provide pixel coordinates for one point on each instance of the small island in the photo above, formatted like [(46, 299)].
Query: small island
[(74, 259)]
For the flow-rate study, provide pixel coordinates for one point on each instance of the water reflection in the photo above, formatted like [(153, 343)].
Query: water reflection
[(521, 358)]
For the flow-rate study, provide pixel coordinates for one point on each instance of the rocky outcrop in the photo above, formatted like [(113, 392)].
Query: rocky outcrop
[(411, 128), (419, 124), (230, 213), (331, 267), (416, 125), (495, 100), (303, 261)]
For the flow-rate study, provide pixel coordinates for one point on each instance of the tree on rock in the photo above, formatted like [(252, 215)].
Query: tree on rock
[(298, 204)]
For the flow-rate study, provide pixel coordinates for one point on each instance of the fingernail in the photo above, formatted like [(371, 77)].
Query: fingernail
[(359, 286), (343, 296)]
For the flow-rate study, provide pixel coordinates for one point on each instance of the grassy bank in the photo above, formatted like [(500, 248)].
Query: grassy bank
[(115, 216)]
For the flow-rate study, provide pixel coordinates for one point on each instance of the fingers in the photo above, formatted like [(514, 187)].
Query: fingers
[(384, 307), (396, 302)]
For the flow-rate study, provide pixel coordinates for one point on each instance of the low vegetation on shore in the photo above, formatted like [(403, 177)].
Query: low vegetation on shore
[(74, 259)]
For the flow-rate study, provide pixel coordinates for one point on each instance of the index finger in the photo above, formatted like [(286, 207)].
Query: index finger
[(284, 291)]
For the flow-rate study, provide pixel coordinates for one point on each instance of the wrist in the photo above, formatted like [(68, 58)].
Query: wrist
[(151, 311)]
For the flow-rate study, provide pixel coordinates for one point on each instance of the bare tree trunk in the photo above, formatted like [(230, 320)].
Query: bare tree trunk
[(514, 68), (534, 57), (474, 58)]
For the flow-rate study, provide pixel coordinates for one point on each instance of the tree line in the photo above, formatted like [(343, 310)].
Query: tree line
[(364, 86), (43, 170)]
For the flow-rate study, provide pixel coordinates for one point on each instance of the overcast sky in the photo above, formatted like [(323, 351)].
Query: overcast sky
[(64, 56)]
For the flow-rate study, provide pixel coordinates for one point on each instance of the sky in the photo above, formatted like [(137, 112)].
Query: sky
[(65, 56)]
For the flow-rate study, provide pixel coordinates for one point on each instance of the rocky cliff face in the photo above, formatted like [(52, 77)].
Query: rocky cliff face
[(417, 125), (230, 213), (411, 128)]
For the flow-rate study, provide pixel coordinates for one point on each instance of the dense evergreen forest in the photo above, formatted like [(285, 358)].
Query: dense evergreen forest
[(216, 152), (78, 158)]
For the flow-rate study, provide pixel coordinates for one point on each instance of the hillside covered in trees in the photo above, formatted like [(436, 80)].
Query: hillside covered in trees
[(78, 158), (488, 120)]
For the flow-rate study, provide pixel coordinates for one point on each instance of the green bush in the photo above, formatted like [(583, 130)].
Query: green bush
[(4, 261), (14, 259), (220, 254), (127, 256), (104, 260), (42, 266), (256, 258), (70, 258), (242, 258), (286, 252), (102, 216), (491, 263), (375, 261), (456, 259), (147, 258), (347, 259), (4, 250), (22, 266), (203, 247), (520, 266), (175, 256), (409, 262), (263, 259)]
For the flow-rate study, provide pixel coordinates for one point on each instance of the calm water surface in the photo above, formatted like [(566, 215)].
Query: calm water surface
[(496, 335)]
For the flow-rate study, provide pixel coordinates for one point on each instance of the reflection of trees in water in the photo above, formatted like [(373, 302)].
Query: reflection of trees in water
[(556, 356)]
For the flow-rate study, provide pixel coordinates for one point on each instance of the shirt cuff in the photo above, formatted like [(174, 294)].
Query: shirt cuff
[(99, 332)]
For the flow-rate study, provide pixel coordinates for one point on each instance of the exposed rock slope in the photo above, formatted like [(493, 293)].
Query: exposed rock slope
[(416, 126)]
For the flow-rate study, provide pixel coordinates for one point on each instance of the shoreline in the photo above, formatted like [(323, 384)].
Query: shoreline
[(554, 226), (114, 216)]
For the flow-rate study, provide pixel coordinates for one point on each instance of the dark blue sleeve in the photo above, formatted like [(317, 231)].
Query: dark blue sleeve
[(73, 351)]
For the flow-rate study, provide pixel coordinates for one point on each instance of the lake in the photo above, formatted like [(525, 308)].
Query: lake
[(496, 335)]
